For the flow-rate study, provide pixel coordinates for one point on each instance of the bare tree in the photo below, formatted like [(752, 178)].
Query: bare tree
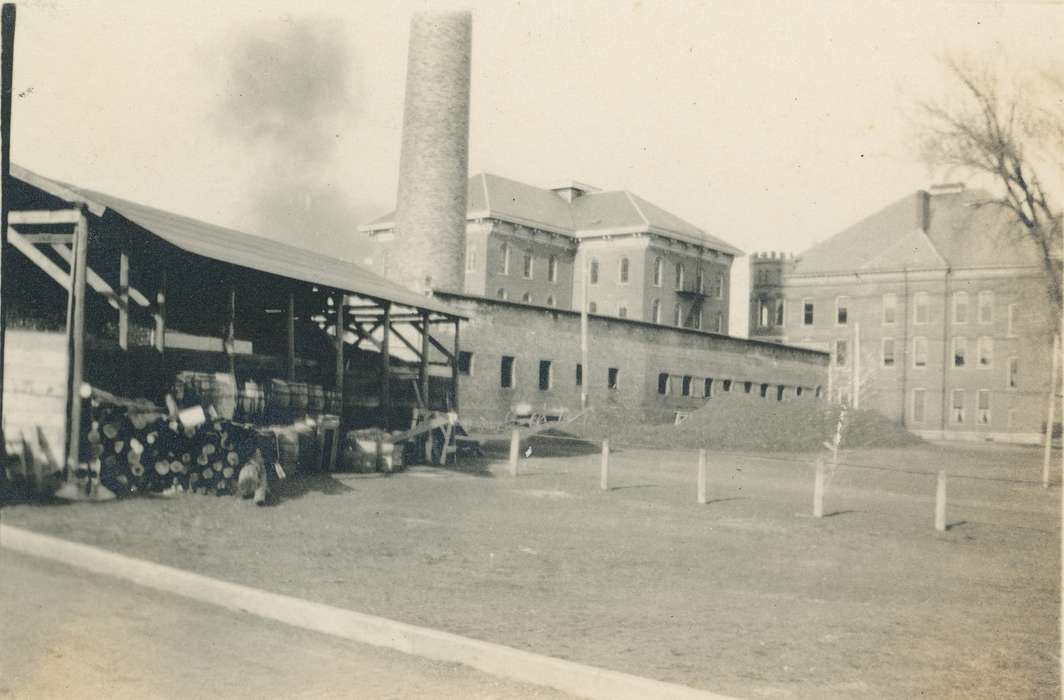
[(1009, 131)]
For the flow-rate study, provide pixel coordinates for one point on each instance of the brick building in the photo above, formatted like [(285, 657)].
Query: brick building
[(934, 312), (531, 245)]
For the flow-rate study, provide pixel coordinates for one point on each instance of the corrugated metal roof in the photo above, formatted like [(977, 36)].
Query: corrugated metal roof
[(243, 249)]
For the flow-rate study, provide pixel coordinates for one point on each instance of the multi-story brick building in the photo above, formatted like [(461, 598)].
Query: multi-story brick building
[(531, 245), (934, 310)]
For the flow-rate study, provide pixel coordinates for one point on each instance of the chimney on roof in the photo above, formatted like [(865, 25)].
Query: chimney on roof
[(947, 188), (923, 210), (573, 190)]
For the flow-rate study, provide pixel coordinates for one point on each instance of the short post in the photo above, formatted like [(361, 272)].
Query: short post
[(940, 503), (702, 476), (818, 489), (515, 446), (604, 481)]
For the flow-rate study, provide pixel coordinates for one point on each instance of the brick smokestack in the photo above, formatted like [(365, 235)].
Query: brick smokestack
[(434, 163)]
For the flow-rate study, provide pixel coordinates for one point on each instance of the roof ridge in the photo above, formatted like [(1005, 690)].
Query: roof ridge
[(484, 186), (638, 209)]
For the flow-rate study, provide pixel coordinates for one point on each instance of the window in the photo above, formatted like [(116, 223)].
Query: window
[(764, 390), (762, 313), (707, 388), (506, 378), (471, 259), (579, 374), (807, 312), (593, 271), (841, 351), (679, 275), (986, 352), (501, 293), (960, 307), (698, 318), (677, 316), (663, 383), (545, 375), (622, 273), (527, 297), (550, 300), (685, 386), (592, 307), (747, 386), (888, 352), (465, 362), (957, 411), (919, 405), (819, 391), (1012, 377), (921, 313), (919, 351), (720, 322), (841, 310), (779, 312), (612, 375), (505, 258), (982, 414), (986, 307), (655, 311), (720, 287), (779, 392), (622, 311), (527, 264), (659, 267), (960, 351), (1011, 332), (552, 269), (700, 280), (890, 308), (727, 385), (798, 391)]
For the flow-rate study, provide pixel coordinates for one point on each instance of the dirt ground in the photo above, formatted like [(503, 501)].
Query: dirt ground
[(748, 595)]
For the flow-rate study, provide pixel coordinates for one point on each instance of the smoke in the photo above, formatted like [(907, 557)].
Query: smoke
[(288, 99)]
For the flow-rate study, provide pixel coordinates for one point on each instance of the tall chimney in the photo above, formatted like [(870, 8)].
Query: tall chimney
[(434, 163)]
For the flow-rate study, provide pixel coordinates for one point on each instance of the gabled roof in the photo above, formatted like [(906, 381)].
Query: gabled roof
[(592, 214), (238, 248), (964, 229)]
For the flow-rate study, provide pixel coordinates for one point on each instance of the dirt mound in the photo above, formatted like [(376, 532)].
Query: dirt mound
[(745, 422)]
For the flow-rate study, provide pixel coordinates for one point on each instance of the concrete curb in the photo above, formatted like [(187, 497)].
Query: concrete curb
[(498, 660)]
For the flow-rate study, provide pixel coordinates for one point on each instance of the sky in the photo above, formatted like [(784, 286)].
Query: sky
[(771, 125)]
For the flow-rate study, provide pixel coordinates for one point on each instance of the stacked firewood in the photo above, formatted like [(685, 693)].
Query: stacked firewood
[(133, 454)]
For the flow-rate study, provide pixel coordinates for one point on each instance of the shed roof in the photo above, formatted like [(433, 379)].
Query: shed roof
[(243, 249)]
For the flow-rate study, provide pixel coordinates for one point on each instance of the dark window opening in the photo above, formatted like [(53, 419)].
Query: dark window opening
[(544, 375), (727, 385), (663, 383), (819, 392), (764, 390), (579, 374), (506, 379), (779, 393), (707, 389), (465, 362), (747, 386), (685, 386), (611, 377), (798, 391), (807, 313)]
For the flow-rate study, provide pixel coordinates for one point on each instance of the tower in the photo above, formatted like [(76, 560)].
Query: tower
[(766, 295)]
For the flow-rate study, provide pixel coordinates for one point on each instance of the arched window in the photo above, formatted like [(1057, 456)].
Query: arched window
[(501, 294), (677, 319), (471, 259), (698, 318), (623, 272), (550, 300), (552, 269), (655, 311), (527, 264), (762, 314), (679, 275), (593, 271), (505, 258), (527, 297), (592, 307), (659, 271), (622, 311), (700, 280), (720, 322)]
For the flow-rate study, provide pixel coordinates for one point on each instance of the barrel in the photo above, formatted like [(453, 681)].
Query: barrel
[(223, 394), (280, 394), (298, 393), (332, 401), (315, 399), (251, 399)]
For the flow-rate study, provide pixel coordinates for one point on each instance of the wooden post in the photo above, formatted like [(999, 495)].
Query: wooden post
[(341, 311), (423, 372), (123, 299), (940, 503), (454, 368), (230, 332), (76, 331), (818, 489), (515, 446), (385, 369), (291, 330), (702, 476), (160, 313), (7, 58), (1050, 412), (604, 477), (856, 365), (584, 374)]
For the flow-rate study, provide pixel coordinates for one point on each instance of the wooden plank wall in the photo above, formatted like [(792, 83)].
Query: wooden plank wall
[(35, 394)]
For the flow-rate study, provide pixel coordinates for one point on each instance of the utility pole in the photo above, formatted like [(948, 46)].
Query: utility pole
[(584, 373), (7, 63)]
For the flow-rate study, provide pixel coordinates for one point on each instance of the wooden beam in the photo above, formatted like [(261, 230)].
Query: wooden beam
[(98, 284), (49, 238), (230, 332), (439, 346), (290, 327), (413, 348), (38, 258), (123, 300), (76, 335), (45, 216), (364, 334), (426, 336), (7, 64), (454, 369), (160, 313), (340, 330), (385, 369)]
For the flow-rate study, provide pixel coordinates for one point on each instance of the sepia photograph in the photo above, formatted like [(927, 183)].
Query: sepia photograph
[(615, 349)]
